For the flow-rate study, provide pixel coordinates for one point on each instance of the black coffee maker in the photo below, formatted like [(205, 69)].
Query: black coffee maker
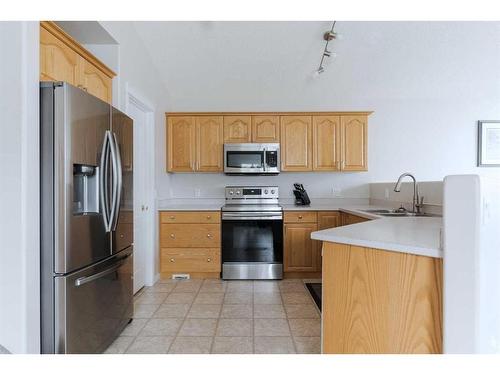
[(301, 197)]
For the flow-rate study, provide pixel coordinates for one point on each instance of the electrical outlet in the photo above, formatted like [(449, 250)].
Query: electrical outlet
[(386, 194), (197, 192), (336, 192)]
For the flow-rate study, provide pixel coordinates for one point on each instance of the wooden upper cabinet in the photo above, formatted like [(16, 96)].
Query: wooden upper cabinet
[(62, 58), (209, 140), (265, 129), (354, 142), (181, 144), (58, 62), (95, 82), (237, 129), (296, 146), (301, 252), (326, 143)]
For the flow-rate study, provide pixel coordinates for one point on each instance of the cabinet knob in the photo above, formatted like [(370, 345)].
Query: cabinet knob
[(172, 235), (172, 217), (300, 216), (209, 260), (121, 236), (209, 235), (209, 217), (172, 260)]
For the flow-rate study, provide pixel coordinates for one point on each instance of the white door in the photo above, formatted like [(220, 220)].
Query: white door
[(141, 205)]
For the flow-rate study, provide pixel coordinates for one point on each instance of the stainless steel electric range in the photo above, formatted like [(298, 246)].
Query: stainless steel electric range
[(252, 233)]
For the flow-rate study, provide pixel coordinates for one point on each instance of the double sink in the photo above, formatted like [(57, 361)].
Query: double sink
[(398, 213)]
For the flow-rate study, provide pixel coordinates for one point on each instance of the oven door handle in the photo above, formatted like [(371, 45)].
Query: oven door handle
[(251, 217), (265, 160)]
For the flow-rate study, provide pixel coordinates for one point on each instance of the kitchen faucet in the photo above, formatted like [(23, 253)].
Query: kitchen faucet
[(417, 201)]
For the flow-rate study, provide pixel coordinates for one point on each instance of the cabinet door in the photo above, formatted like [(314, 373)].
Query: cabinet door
[(326, 143), (348, 219), (301, 252), (354, 143), (265, 129), (209, 144), (181, 144), (329, 219), (94, 81), (296, 150), (58, 62), (237, 129)]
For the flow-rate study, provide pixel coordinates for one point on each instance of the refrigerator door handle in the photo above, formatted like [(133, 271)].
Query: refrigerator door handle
[(119, 183), (116, 181), (87, 279), (103, 181)]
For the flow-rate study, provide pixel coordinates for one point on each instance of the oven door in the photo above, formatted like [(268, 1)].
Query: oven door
[(252, 247)]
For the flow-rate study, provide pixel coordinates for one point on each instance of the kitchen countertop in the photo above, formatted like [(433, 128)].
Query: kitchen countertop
[(413, 235)]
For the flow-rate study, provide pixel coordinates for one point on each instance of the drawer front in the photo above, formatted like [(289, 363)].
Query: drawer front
[(190, 260), (190, 235), (300, 217), (210, 217)]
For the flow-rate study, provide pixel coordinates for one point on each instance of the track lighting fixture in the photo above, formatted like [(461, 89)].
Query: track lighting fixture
[(328, 36)]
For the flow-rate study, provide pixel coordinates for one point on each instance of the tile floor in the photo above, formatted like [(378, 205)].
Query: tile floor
[(215, 316)]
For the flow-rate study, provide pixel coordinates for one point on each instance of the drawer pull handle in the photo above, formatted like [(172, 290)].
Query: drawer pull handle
[(172, 260), (300, 216), (172, 235), (172, 217), (209, 235), (209, 260)]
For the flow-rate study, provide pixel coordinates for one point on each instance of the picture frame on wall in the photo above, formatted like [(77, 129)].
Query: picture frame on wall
[(488, 144)]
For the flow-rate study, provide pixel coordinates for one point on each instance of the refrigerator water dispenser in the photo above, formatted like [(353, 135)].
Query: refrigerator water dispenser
[(85, 189)]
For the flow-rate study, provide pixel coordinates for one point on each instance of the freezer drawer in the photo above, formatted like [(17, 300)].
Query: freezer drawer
[(93, 305)]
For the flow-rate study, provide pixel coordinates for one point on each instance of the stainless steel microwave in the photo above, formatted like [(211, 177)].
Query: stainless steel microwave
[(252, 158)]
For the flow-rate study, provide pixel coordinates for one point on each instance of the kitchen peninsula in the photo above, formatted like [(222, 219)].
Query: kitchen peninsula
[(382, 286)]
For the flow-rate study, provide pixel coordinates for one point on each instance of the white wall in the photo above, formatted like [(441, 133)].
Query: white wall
[(19, 160), (427, 82)]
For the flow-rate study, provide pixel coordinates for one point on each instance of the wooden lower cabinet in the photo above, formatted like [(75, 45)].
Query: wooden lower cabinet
[(380, 302), (348, 219), (190, 243), (329, 219)]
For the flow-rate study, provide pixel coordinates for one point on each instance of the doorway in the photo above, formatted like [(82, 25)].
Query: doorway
[(143, 116)]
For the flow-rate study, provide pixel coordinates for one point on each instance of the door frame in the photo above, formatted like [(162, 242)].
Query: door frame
[(133, 98)]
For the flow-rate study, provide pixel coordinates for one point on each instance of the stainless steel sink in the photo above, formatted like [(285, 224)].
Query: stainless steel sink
[(398, 213)]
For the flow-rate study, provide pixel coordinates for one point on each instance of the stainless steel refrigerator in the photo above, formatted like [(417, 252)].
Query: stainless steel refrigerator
[(86, 196)]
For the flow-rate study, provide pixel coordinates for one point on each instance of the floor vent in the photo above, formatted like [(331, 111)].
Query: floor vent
[(181, 276)]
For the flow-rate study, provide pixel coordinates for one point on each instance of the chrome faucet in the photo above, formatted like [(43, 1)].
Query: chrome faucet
[(417, 201)]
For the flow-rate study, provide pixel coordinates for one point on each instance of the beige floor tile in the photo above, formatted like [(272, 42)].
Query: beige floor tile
[(269, 311), (213, 286), (293, 288), (188, 286), (198, 327), (160, 288), (119, 345), (308, 345), (204, 311), (271, 327), (151, 298), (261, 298), (245, 286), (191, 345), (238, 298), (301, 311), (209, 299), (161, 327), (273, 345), (174, 310), (296, 298), (134, 327), (180, 298), (167, 281), (265, 286), (150, 345), (232, 345), (144, 311), (236, 311), (305, 327), (234, 327), (289, 281)]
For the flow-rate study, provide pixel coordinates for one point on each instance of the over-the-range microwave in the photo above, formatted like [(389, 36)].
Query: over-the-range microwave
[(252, 158)]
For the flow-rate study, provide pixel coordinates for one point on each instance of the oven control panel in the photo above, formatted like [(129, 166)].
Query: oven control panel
[(252, 192)]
